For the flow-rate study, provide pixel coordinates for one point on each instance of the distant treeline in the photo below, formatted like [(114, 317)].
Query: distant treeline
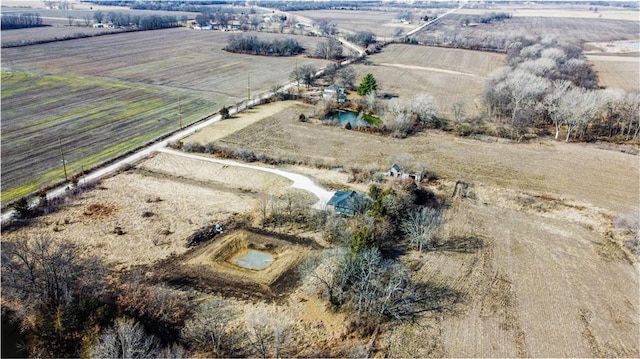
[(192, 6), (146, 22), (347, 5), (21, 21), (253, 45), (485, 18)]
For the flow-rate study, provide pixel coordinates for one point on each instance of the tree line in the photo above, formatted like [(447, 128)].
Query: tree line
[(20, 21), (484, 18), (251, 44), (549, 83), (169, 5), (140, 22)]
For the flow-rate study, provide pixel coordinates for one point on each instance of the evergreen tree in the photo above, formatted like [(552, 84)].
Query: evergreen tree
[(367, 85)]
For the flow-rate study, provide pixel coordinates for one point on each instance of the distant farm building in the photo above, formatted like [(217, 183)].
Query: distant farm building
[(397, 171), (344, 202), (334, 92)]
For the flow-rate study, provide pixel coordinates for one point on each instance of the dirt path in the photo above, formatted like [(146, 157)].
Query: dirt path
[(299, 181), (412, 67)]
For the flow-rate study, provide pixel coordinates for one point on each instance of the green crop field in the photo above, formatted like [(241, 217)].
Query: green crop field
[(94, 120), (105, 96)]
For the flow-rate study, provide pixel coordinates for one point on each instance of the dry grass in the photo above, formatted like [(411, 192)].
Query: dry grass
[(225, 128), (618, 72), (527, 288), (157, 205), (379, 22), (575, 30), (577, 172), (215, 175)]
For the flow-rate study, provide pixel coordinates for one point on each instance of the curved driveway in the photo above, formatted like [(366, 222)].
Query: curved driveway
[(299, 181)]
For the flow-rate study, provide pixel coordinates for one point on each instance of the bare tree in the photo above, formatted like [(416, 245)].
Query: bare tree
[(329, 49), (98, 16), (174, 351), (457, 109), (347, 77), (371, 103), (425, 107), (551, 101), (420, 225), (326, 27), (126, 339), (305, 74), (209, 327), (525, 91), (400, 125), (579, 106), (39, 270), (268, 337), (320, 270), (630, 112)]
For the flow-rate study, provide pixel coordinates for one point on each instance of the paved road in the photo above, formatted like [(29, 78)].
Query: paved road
[(432, 21), (131, 159)]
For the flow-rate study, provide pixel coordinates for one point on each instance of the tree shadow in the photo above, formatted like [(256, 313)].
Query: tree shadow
[(460, 244), (429, 297)]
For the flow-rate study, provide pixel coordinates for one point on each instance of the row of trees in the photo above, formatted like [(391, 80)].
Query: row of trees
[(362, 38), (251, 44), (222, 16), (548, 83), (484, 18), (20, 21), (141, 22)]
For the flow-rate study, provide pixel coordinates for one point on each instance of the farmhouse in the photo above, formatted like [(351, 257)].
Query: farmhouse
[(343, 202), (334, 92)]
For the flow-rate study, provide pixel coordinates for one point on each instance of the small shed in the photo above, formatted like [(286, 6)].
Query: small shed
[(397, 171)]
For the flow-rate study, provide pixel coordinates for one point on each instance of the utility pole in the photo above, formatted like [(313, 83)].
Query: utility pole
[(180, 112), (64, 163), (248, 87)]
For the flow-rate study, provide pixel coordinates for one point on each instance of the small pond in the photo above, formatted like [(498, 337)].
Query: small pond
[(342, 117), (253, 259)]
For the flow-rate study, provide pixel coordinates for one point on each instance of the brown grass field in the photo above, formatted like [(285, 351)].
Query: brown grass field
[(543, 214), (617, 72), (104, 96), (47, 33), (182, 196), (543, 274), (450, 75), (575, 30), (532, 252), (577, 172), (379, 22)]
